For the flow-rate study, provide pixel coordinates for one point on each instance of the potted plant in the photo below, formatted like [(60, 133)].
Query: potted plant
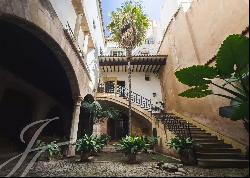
[(52, 152), (185, 148), (131, 146), (151, 142), (87, 145)]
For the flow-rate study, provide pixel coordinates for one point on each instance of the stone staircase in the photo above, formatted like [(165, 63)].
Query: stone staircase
[(212, 151)]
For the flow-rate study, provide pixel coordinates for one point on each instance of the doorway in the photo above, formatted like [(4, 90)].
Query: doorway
[(118, 129)]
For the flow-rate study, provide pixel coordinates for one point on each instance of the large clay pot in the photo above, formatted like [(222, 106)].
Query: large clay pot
[(85, 157), (187, 157), (132, 159)]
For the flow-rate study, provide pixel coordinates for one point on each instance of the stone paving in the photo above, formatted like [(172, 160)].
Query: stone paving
[(114, 165)]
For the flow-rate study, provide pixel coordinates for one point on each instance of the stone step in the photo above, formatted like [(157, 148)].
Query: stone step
[(215, 141), (203, 137), (197, 131), (215, 145), (195, 135), (109, 149), (201, 155), (218, 150), (226, 163)]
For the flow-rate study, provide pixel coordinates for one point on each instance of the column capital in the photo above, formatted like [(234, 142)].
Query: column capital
[(78, 100)]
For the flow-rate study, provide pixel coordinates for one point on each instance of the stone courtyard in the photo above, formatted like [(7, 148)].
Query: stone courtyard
[(102, 166)]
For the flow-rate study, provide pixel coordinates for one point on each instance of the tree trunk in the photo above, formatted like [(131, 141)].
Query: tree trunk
[(129, 57)]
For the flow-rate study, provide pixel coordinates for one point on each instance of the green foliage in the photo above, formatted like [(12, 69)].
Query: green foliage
[(88, 144), (180, 144), (196, 75), (151, 141), (130, 13), (197, 92), (233, 56), (104, 139), (232, 66), (131, 145), (52, 148), (97, 111)]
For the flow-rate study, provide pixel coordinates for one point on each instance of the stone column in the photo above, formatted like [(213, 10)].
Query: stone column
[(74, 127), (78, 25)]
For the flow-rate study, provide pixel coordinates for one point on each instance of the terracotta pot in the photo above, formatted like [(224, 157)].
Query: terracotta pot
[(131, 159), (187, 157), (85, 157)]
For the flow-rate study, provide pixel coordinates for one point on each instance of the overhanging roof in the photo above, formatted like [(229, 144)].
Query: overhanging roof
[(149, 63)]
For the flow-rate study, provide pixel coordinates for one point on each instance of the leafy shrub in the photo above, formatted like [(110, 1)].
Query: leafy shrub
[(180, 144), (88, 144), (104, 139), (151, 141), (131, 145), (52, 148)]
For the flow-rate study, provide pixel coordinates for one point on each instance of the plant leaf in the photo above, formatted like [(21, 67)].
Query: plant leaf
[(196, 75), (197, 92), (234, 52)]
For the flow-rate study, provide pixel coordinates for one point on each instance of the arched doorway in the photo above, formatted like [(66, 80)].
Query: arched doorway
[(118, 129), (37, 72)]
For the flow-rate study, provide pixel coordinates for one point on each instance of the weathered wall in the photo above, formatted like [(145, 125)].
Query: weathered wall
[(164, 137), (141, 127), (193, 38)]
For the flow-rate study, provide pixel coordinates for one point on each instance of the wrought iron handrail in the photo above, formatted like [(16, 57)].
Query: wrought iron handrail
[(170, 121), (136, 98), (176, 125)]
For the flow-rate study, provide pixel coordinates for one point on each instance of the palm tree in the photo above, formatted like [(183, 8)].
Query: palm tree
[(128, 28)]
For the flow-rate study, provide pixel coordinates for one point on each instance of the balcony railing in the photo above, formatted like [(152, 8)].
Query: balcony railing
[(136, 98)]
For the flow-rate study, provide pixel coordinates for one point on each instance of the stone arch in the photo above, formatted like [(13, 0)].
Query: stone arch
[(144, 117), (51, 44)]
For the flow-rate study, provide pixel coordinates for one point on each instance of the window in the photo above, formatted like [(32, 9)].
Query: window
[(117, 53), (94, 26), (147, 77)]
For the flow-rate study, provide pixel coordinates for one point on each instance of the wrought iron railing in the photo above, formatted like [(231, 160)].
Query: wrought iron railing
[(136, 98), (175, 124), (170, 121)]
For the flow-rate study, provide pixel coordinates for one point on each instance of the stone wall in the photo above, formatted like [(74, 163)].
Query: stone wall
[(193, 38)]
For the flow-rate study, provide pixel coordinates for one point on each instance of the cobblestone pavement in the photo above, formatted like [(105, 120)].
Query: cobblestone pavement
[(113, 167), (68, 168)]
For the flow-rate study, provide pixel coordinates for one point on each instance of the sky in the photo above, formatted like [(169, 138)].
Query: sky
[(151, 8)]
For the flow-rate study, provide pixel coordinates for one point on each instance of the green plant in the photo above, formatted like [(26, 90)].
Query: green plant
[(88, 144), (97, 111), (130, 15), (52, 148), (232, 67), (151, 141), (131, 146), (180, 144), (104, 139)]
